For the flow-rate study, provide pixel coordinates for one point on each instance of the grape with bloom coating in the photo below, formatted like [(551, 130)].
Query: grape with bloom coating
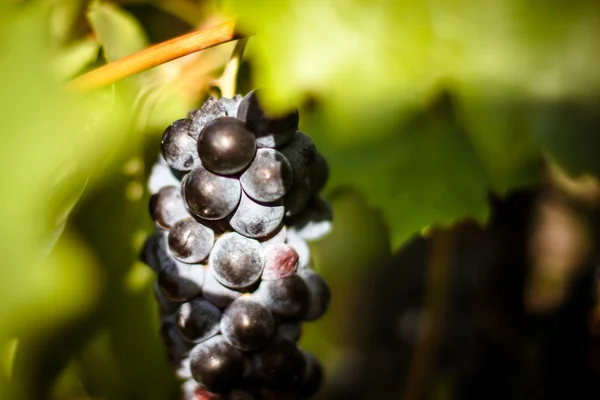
[(226, 146), (281, 261), (178, 147), (190, 241), (281, 364), (198, 320), (287, 297), (210, 196), (236, 261), (167, 207), (269, 176), (216, 293), (270, 131), (181, 282), (312, 376), (256, 220), (320, 294), (247, 325), (217, 365)]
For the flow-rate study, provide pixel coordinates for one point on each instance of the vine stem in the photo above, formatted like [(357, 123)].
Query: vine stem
[(154, 56), (227, 82), (436, 291)]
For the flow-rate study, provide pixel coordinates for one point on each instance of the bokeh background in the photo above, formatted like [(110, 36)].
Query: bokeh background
[(464, 144)]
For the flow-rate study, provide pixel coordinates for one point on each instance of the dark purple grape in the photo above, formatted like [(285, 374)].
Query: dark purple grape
[(269, 176), (256, 220), (178, 147), (198, 320), (287, 297), (288, 329), (301, 153), (167, 207), (314, 222), (210, 196), (236, 261), (280, 364), (180, 282), (216, 293), (297, 197), (320, 294), (217, 365), (211, 110), (226, 146), (270, 131), (190, 241), (312, 377), (177, 346), (247, 325), (318, 174), (281, 261)]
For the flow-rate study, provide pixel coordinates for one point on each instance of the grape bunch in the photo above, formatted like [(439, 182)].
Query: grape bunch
[(235, 198)]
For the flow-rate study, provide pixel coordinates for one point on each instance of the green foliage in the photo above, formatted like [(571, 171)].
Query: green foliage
[(423, 107)]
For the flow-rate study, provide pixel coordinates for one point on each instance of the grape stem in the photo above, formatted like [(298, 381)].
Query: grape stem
[(155, 55), (227, 82), (432, 315)]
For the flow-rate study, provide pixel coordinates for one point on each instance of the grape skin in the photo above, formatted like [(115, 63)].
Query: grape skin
[(198, 320), (320, 294), (271, 132), (301, 153), (161, 175), (256, 220), (225, 146), (314, 222), (281, 364), (287, 297), (178, 147), (236, 261), (289, 329), (301, 247), (297, 197), (216, 293), (312, 376), (190, 241), (217, 365), (318, 174), (180, 282), (247, 325), (269, 176), (281, 261), (211, 110), (210, 196), (167, 207)]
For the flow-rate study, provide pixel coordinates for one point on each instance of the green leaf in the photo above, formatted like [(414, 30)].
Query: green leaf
[(119, 33), (73, 58)]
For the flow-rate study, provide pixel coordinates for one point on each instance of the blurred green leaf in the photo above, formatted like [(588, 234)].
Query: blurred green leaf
[(73, 58), (119, 33)]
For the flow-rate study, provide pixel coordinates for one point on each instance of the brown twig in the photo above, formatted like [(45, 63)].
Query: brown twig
[(155, 55), (438, 273)]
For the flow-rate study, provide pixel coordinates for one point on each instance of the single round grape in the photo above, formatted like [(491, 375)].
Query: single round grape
[(236, 261), (318, 174), (190, 241), (297, 197), (180, 282), (314, 222), (211, 110), (281, 364), (312, 377), (217, 365), (301, 247), (256, 220), (281, 261), (320, 294), (216, 293), (270, 131), (301, 153), (247, 325), (178, 147), (226, 146), (210, 196), (289, 329), (269, 176), (178, 349), (198, 320), (287, 297), (167, 207)]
